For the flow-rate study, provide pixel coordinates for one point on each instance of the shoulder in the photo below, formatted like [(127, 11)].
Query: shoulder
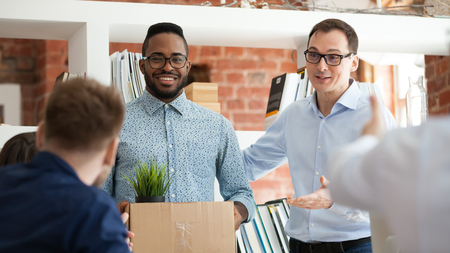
[(204, 114)]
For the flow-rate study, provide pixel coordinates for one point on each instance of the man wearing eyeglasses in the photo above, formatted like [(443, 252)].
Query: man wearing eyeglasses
[(305, 135), (198, 144)]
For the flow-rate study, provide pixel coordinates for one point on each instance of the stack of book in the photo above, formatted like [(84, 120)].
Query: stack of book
[(126, 75), (66, 76), (284, 90), (204, 94), (265, 233)]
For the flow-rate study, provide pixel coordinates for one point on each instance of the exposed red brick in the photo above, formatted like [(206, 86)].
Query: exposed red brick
[(244, 64), (444, 98), (217, 77), (268, 65), (253, 92), (249, 117), (235, 105), (435, 84), (234, 51), (211, 51), (225, 91), (430, 71), (268, 54), (432, 58), (442, 67), (224, 64), (258, 79), (259, 104), (28, 91), (288, 67), (25, 64), (235, 78)]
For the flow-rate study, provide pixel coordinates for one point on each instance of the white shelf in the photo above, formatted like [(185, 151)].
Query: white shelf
[(89, 26)]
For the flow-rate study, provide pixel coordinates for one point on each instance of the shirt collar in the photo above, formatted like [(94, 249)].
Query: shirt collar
[(152, 103), (349, 99)]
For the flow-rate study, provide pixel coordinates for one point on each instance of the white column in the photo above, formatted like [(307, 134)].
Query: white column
[(89, 52)]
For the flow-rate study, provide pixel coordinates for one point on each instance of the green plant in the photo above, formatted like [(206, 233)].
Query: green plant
[(151, 179)]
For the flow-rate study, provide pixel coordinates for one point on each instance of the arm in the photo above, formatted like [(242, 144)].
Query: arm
[(231, 176), (267, 153)]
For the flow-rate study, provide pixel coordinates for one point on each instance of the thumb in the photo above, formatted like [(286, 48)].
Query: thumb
[(324, 181), (124, 217)]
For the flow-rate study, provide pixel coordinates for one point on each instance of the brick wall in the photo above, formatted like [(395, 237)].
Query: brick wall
[(437, 73)]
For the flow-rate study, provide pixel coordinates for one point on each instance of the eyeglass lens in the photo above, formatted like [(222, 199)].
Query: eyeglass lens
[(176, 61), (330, 59)]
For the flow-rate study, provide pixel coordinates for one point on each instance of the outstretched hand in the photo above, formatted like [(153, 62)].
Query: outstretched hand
[(376, 125), (317, 200)]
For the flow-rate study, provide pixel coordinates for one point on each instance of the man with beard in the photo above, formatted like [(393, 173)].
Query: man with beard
[(307, 132), (197, 144), (53, 203)]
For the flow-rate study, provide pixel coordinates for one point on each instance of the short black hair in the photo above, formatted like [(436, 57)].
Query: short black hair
[(164, 28), (329, 25)]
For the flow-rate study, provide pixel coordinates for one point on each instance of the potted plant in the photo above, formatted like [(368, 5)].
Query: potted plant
[(151, 181)]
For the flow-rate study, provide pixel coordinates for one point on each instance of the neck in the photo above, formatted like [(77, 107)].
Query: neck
[(326, 100), (165, 100), (86, 164)]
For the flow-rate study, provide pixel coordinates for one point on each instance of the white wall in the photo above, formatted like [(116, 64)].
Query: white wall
[(11, 100)]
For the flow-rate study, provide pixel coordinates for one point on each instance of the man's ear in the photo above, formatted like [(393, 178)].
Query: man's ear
[(40, 136), (142, 66), (110, 156), (188, 66), (355, 63)]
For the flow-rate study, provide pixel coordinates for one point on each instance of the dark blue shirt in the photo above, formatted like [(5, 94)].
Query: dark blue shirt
[(46, 208)]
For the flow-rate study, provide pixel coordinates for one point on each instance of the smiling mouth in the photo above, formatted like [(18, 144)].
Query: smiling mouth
[(323, 77)]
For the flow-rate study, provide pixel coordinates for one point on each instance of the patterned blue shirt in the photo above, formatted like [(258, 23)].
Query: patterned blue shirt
[(197, 144), (304, 137)]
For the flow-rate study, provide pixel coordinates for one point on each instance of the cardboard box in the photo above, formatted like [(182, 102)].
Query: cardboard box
[(202, 92), (182, 227)]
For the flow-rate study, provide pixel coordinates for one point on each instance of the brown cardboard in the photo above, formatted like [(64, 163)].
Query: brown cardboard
[(212, 106), (202, 92), (182, 227)]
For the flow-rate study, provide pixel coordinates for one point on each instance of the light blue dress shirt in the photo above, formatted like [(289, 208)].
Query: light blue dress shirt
[(305, 138), (198, 144)]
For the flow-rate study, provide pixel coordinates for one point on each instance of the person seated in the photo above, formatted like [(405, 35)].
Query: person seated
[(53, 203), (20, 148)]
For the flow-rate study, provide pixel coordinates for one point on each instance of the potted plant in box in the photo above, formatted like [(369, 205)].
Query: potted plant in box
[(151, 181)]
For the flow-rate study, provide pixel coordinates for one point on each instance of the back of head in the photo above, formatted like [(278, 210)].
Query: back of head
[(83, 115), (163, 28), (329, 25), (20, 148)]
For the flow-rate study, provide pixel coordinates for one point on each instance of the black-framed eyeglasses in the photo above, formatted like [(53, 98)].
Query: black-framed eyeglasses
[(177, 61), (330, 59)]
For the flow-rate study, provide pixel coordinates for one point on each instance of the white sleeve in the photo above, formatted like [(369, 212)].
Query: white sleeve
[(349, 185)]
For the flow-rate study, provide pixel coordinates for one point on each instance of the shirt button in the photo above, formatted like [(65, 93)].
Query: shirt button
[(317, 173), (312, 224), (173, 195), (170, 146), (168, 122), (323, 121), (172, 170), (166, 105), (319, 146)]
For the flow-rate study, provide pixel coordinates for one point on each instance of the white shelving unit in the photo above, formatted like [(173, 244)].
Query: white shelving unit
[(89, 26)]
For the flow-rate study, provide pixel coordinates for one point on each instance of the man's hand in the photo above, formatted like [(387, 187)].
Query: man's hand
[(240, 214), (376, 126), (124, 216), (316, 200)]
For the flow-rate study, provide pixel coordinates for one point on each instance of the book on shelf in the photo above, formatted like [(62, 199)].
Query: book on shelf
[(240, 242), (265, 233), (304, 85), (126, 75), (66, 76), (283, 91)]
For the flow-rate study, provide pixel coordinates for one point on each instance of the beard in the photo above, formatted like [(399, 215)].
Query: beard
[(150, 83)]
